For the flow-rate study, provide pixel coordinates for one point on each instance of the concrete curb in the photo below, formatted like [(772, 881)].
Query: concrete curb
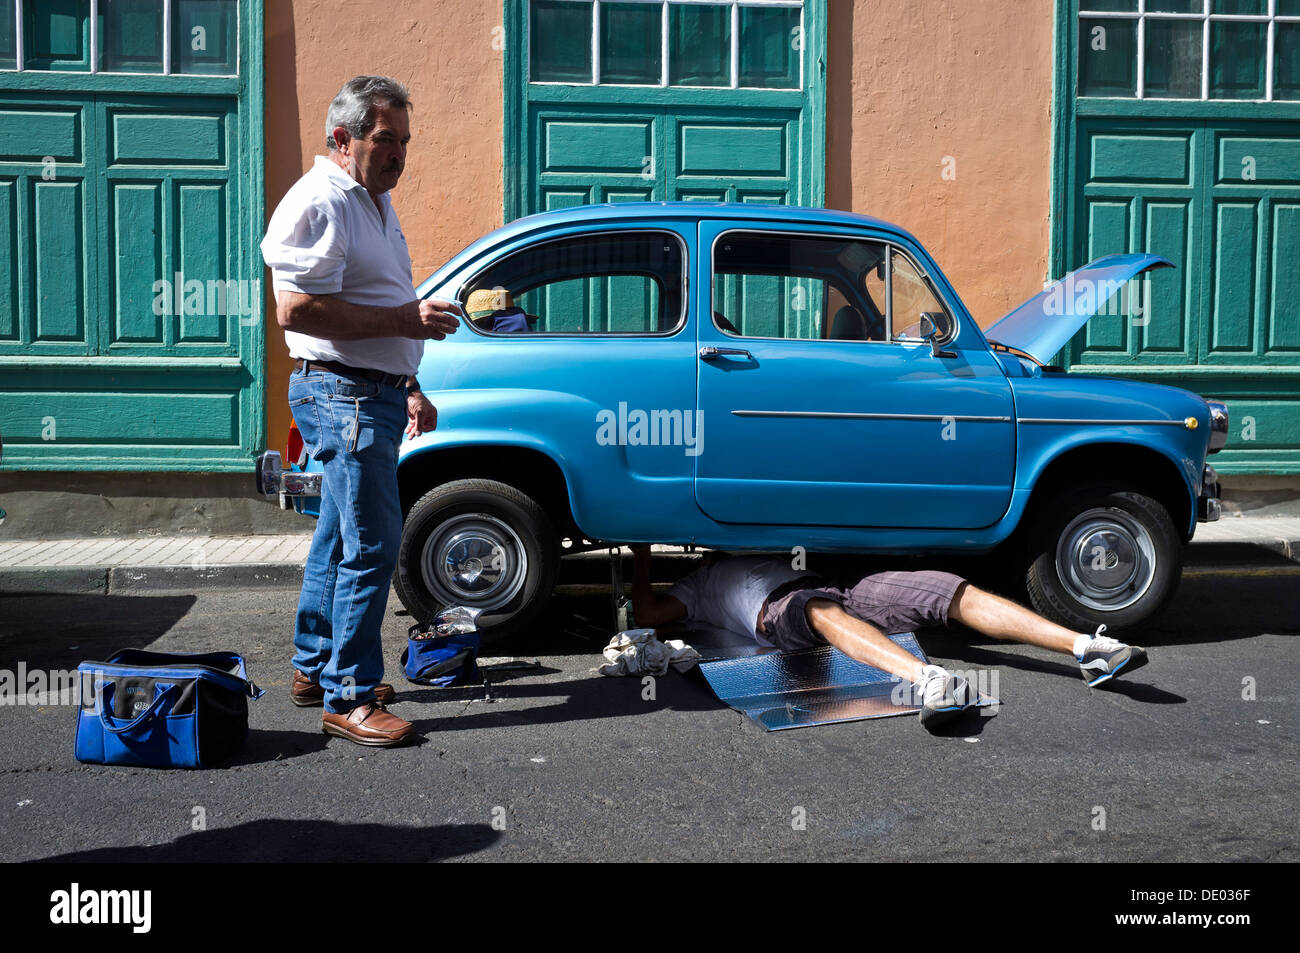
[(243, 576), (1265, 551), (67, 581), (1269, 551), (581, 568), (74, 580)]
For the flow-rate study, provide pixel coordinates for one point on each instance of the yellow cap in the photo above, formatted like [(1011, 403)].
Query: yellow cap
[(487, 300)]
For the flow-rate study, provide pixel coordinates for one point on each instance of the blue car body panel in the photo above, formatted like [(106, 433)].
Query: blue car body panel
[(840, 446), (1045, 323)]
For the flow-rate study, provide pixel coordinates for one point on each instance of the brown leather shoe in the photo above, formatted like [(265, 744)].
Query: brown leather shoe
[(368, 724), (305, 693)]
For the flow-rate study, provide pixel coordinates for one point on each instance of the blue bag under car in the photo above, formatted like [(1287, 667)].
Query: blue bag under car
[(445, 653), (163, 710)]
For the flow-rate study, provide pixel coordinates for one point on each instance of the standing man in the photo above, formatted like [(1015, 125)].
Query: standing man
[(342, 278)]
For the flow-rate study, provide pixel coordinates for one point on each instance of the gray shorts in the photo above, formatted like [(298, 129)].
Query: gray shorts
[(891, 601)]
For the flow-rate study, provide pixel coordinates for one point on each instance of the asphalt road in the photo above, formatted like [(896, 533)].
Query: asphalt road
[(566, 765)]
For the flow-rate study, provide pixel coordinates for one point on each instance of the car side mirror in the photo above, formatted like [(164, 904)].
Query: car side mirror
[(938, 328)]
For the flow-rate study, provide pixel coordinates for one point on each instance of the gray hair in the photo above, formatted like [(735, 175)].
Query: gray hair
[(354, 107)]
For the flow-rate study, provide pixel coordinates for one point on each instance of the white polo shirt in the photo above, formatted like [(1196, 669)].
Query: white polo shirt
[(327, 237), (730, 593)]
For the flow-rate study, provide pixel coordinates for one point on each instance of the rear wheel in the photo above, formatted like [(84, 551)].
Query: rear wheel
[(481, 544), (1103, 554)]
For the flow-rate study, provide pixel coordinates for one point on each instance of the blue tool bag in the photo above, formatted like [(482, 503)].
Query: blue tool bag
[(444, 653), (163, 710)]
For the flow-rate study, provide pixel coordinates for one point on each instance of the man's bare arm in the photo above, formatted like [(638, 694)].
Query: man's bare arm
[(649, 607), (329, 316)]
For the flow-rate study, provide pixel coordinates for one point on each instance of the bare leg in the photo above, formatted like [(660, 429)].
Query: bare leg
[(861, 640), (1002, 619)]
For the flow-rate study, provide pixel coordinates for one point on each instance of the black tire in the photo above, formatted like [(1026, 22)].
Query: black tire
[(1102, 553), (508, 553)]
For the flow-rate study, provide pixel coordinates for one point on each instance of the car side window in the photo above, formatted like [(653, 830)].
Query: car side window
[(600, 283), (798, 287), (912, 296)]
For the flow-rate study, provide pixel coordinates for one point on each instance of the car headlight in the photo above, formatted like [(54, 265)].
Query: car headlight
[(1218, 425)]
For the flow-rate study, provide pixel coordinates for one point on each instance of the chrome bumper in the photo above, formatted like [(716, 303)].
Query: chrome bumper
[(272, 478), (1208, 507)]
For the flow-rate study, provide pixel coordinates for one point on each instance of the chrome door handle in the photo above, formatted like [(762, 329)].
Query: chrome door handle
[(713, 353)]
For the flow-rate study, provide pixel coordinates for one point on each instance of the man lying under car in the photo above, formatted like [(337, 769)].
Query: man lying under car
[(764, 598)]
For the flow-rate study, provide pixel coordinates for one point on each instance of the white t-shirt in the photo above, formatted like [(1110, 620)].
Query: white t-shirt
[(327, 237), (730, 593)]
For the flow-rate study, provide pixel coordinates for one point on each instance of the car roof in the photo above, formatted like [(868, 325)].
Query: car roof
[(727, 210), (633, 211)]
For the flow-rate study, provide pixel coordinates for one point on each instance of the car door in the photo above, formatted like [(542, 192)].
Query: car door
[(597, 372), (819, 404)]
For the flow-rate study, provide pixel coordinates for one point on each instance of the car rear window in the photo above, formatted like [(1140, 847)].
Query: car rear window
[(626, 282)]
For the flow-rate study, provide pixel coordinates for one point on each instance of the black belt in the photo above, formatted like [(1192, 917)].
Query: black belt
[(392, 380)]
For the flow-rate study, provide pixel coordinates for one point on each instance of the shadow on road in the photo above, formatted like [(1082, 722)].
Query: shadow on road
[(266, 746), (271, 841), (578, 699), (53, 631)]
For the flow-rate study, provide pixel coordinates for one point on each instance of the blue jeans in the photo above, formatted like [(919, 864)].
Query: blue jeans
[(353, 428)]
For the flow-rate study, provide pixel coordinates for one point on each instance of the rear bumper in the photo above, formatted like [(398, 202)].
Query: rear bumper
[(272, 478)]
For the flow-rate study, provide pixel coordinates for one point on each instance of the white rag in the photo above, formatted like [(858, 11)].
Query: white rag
[(639, 652)]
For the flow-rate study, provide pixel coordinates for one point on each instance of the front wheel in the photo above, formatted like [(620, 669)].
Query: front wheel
[(1103, 554), (481, 544)]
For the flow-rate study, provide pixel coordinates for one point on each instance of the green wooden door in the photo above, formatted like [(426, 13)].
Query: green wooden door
[(131, 310), (1177, 135), (618, 102)]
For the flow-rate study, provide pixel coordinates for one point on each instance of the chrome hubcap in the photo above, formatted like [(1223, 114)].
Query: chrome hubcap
[(476, 560), (1106, 559)]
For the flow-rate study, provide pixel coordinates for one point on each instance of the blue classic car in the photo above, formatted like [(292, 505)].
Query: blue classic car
[(764, 378)]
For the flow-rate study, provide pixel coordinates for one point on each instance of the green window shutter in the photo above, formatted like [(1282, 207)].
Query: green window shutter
[(1213, 185), (110, 186), (584, 143)]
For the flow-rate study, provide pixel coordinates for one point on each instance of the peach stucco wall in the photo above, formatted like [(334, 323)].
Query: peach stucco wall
[(451, 190), (913, 85), (913, 89)]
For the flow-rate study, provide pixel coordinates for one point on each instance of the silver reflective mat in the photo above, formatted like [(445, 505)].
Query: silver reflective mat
[(818, 686)]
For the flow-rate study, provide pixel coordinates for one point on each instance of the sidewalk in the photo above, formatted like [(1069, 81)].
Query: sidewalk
[(119, 564)]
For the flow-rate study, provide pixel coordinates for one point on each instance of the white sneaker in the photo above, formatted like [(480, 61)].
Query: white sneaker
[(1103, 658), (944, 696)]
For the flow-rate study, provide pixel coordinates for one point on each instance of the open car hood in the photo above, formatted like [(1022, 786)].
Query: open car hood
[(1042, 325)]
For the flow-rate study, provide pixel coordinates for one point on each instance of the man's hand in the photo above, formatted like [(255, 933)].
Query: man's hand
[(651, 608), (421, 416), (433, 319), (329, 316)]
